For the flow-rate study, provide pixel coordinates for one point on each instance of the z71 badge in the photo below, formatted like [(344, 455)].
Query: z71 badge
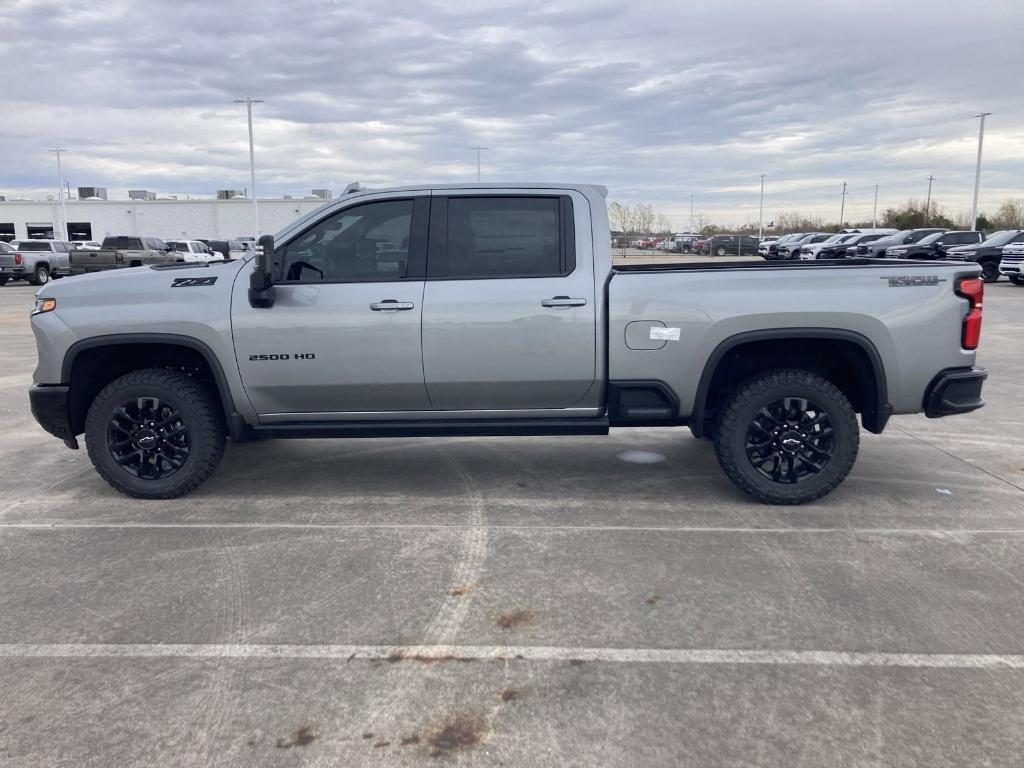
[(914, 281), (192, 282)]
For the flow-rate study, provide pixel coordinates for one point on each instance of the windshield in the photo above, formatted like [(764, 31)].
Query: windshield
[(896, 237), (928, 240), (1001, 238)]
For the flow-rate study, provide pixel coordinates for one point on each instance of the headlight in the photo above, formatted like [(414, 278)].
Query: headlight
[(44, 305)]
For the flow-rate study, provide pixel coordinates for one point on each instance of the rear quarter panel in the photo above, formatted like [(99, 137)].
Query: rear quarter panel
[(915, 330)]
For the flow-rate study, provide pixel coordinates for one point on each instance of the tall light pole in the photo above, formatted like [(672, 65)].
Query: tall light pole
[(760, 211), (478, 151), (691, 213), (977, 171), (874, 212), (928, 204), (60, 193), (842, 208), (249, 101)]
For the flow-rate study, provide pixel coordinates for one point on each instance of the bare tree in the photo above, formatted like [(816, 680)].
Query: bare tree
[(664, 226), (1010, 215), (644, 221)]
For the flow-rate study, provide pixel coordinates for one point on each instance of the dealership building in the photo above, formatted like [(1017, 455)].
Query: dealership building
[(94, 218)]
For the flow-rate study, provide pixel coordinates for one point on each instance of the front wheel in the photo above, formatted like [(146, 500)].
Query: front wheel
[(720, 251), (787, 436), (155, 433), (1017, 279), (990, 271)]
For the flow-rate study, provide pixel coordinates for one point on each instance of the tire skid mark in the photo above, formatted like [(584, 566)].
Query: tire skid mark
[(451, 612), (216, 696)]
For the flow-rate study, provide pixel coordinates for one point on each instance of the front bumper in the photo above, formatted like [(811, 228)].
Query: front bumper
[(51, 408), (953, 391)]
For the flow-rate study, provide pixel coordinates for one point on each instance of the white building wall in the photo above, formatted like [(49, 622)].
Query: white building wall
[(166, 219)]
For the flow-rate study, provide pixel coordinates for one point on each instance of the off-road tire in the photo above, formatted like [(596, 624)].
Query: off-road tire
[(737, 415), (41, 276), (199, 411)]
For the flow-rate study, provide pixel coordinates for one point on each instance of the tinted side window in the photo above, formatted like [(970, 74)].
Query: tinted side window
[(132, 244), (365, 243), (505, 237)]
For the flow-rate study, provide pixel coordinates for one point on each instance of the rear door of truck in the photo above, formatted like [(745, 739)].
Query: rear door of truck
[(509, 310)]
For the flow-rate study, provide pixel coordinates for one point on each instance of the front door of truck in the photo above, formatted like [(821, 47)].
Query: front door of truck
[(509, 316), (343, 335)]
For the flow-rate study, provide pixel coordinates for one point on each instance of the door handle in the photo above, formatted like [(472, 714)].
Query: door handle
[(563, 301), (391, 305)]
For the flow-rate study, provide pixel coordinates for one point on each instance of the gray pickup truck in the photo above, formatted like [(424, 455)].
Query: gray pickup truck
[(35, 260), (120, 251), (490, 310)]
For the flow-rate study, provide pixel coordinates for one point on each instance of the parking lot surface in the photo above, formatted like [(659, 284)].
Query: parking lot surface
[(518, 601)]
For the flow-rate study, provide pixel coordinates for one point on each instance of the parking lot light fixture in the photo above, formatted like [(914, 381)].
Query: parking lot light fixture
[(60, 193), (874, 212), (760, 212), (478, 150), (249, 101), (977, 171)]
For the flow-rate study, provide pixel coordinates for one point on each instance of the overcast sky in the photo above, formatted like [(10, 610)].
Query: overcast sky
[(656, 100)]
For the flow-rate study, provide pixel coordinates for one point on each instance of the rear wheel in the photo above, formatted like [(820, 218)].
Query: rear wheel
[(156, 433), (3, 280), (41, 276), (787, 436)]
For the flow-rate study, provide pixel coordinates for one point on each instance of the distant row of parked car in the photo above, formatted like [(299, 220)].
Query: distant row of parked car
[(927, 243), (1001, 253), (38, 261)]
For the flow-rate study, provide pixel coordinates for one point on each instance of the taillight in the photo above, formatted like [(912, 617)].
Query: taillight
[(972, 289), (18, 259)]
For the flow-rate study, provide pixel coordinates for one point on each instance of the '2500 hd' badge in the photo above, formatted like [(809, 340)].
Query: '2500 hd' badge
[(914, 281), (284, 356)]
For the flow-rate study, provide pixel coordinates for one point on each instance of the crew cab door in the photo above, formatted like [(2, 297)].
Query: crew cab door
[(343, 334), (509, 318)]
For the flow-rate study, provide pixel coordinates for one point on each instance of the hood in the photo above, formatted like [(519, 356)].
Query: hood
[(114, 282)]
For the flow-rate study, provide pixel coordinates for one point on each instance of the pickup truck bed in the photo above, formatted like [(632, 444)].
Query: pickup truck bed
[(496, 310)]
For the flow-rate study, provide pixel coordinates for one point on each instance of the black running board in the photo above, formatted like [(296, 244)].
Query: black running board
[(438, 428)]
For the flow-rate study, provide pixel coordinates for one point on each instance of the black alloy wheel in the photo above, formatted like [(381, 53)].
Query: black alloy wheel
[(156, 433), (786, 436), (147, 438), (790, 440)]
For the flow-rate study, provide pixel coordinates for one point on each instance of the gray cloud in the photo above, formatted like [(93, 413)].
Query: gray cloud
[(656, 100)]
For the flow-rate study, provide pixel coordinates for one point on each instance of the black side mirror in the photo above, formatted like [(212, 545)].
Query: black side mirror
[(261, 281)]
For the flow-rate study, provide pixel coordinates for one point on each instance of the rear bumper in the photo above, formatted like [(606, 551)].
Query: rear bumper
[(953, 391), (14, 273), (50, 407)]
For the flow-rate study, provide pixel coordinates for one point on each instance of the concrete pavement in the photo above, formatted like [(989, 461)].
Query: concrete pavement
[(517, 601)]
